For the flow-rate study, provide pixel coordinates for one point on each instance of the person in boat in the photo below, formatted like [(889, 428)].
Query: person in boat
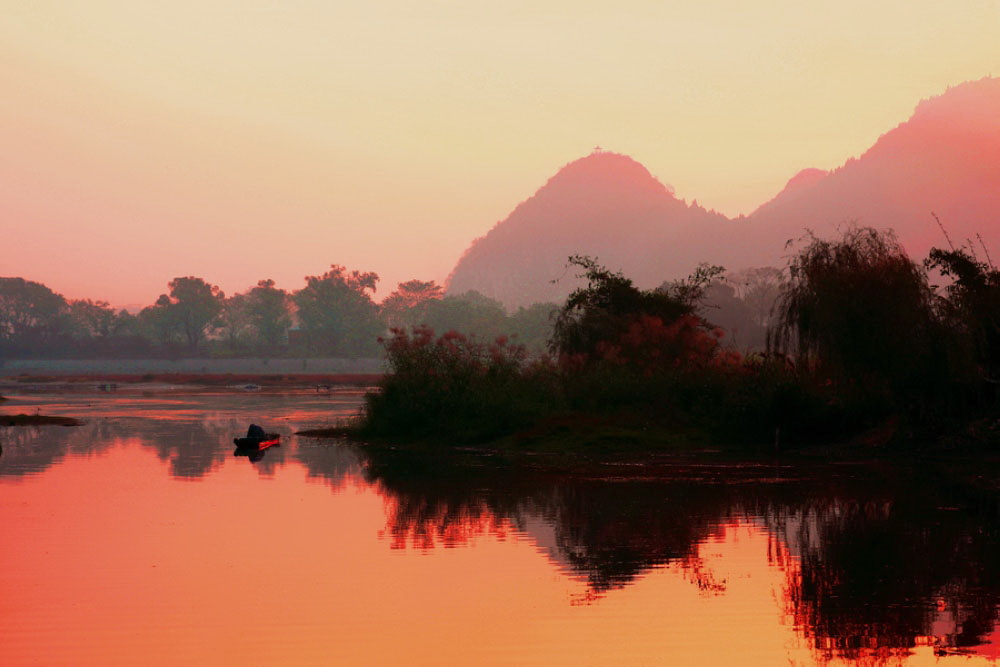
[(255, 433)]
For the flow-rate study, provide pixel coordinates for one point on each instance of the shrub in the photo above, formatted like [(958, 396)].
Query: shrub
[(457, 386)]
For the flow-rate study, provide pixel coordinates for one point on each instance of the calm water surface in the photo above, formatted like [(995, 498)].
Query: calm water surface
[(140, 538)]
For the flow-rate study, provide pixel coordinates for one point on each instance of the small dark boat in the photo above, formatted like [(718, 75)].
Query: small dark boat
[(257, 439)]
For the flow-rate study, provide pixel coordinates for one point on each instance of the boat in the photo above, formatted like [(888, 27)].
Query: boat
[(269, 440), (256, 439)]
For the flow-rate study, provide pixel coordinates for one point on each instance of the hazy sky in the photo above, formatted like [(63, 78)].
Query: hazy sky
[(239, 140)]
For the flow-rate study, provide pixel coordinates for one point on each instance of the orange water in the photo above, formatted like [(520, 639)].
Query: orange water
[(139, 538)]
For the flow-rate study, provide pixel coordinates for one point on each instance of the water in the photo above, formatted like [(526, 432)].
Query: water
[(140, 538)]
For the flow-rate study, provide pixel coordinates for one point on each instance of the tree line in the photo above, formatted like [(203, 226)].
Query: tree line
[(333, 314)]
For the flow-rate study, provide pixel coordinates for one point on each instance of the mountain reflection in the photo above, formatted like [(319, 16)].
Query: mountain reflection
[(875, 563)]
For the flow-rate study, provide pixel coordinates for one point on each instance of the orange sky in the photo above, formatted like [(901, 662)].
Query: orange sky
[(243, 140)]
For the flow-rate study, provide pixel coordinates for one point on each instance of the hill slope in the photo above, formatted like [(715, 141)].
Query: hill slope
[(945, 159), (605, 205)]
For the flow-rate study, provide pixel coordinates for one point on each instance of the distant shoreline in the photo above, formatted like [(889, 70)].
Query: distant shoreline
[(37, 420), (256, 366), (217, 380)]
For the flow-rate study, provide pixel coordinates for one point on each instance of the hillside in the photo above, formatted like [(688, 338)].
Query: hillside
[(945, 159), (604, 205)]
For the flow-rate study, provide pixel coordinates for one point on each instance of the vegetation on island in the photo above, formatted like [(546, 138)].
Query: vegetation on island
[(861, 348)]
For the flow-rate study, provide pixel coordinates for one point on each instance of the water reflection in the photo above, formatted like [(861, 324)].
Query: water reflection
[(332, 464), (875, 560), (880, 571), (876, 564), (30, 450), (192, 449)]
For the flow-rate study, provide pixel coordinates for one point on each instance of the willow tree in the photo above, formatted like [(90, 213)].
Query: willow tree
[(858, 309)]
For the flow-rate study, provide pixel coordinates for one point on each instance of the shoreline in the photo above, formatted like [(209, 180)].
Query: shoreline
[(37, 420), (213, 380)]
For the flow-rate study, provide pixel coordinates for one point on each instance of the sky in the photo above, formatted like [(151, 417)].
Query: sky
[(243, 140)]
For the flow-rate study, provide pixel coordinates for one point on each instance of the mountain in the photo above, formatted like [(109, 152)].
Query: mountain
[(945, 159), (605, 205)]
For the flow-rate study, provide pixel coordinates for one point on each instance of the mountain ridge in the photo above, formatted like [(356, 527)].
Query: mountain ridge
[(944, 159)]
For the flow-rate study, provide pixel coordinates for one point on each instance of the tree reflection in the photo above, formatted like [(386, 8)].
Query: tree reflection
[(334, 464), (882, 571), (30, 450), (876, 563), (607, 532), (192, 449)]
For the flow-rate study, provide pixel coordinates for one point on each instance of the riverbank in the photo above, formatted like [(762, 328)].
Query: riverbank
[(627, 445), (194, 365), (37, 420), (104, 381)]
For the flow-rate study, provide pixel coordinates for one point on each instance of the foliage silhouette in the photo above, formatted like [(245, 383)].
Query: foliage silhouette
[(337, 312)]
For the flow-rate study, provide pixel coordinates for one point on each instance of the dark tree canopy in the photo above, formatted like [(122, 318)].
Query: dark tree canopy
[(603, 310), (468, 313), (97, 319), (974, 298), (858, 307), (337, 312), (194, 306), (408, 304), (268, 309), (30, 313)]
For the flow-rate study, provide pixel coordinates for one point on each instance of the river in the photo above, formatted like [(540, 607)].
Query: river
[(139, 537)]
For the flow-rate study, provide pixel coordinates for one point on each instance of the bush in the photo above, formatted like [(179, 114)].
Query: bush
[(457, 386)]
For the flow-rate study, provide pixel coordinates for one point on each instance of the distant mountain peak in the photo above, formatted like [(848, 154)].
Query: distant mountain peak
[(604, 204), (945, 158), (607, 170)]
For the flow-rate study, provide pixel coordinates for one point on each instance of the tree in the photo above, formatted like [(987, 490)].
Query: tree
[(157, 321), (407, 306), (610, 305), (193, 308), (722, 305), (759, 288), (470, 313), (533, 325), (337, 312), (859, 309), (268, 309), (974, 301), (97, 319), (235, 321), (31, 314)]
